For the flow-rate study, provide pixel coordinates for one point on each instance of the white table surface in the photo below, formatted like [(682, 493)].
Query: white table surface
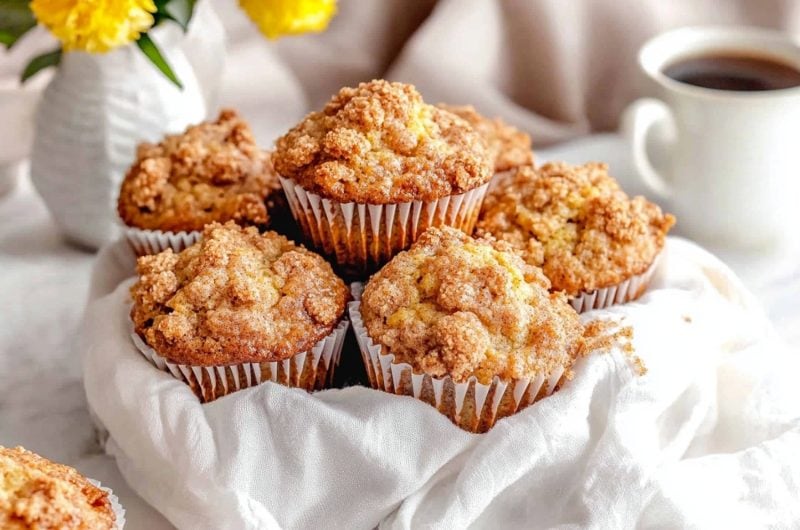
[(44, 284)]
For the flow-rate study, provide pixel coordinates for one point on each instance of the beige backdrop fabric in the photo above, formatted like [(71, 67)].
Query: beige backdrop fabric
[(556, 68)]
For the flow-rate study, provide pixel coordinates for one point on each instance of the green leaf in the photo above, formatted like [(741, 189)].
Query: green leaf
[(16, 19), (41, 62), (180, 11), (152, 52)]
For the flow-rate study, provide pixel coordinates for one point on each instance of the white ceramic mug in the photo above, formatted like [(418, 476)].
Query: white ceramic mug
[(731, 171)]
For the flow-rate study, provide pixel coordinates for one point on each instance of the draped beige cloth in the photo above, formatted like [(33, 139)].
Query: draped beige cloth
[(556, 68)]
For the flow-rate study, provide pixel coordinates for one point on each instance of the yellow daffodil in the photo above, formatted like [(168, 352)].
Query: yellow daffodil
[(289, 17), (95, 25)]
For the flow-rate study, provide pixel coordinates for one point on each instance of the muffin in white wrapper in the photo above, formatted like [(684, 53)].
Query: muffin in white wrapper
[(471, 405), (625, 291), (145, 242), (310, 370), (116, 507), (362, 237), (591, 240)]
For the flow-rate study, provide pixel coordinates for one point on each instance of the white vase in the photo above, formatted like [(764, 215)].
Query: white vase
[(91, 118)]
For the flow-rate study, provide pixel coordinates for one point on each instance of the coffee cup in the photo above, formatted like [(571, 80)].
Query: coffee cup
[(731, 157)]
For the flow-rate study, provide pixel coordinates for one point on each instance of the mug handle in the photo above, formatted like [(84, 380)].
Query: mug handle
[(637, 122)]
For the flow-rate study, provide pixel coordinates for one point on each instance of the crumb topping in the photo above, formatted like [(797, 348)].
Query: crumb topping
[(381, 143), (453, 305), (508, 146), (576, 223), (37, 494), (214, 171), (235, 296)]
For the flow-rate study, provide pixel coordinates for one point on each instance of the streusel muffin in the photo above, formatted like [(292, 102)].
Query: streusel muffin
[(213, 172), (238, 308), (592, 241), (37, 494), (469, 327), (509, 147), (375, 168)]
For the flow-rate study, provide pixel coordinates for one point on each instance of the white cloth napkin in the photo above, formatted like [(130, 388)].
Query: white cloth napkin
[(708, 438)]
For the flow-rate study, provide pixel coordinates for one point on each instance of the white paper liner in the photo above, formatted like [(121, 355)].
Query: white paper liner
[(145, 242), (623, 292), (471, 405), (310, 370), (116, 507), (365, 236)]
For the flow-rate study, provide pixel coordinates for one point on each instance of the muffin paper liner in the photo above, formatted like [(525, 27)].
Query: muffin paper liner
[(116, 507), (362, 237), (626, 291), (144, 242), (310, 370), (471, 405)]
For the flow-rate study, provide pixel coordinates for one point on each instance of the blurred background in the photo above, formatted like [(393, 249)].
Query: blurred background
[(555, 69)]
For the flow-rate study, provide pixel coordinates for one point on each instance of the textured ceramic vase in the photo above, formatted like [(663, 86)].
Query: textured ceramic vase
[(98, 108)]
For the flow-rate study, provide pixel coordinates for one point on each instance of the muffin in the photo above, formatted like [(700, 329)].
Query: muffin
[(466, 326), (509, 148), (375, 168), (36, 493), (592, 241), (238, 308), (213, 172)]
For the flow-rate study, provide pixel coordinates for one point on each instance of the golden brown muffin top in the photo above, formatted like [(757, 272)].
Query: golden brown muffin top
[(235, 296), (577, 224), (453, 305), (38, 494), (214, 171), (380, 143), (508, 146)]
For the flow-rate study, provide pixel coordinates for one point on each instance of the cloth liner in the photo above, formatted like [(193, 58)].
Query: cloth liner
[(708, 438)]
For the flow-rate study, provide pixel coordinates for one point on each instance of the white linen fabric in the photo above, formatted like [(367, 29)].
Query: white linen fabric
[(708, 438)]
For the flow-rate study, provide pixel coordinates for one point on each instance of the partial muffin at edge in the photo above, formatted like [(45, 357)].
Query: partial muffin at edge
[(380, 143), (212, 172), (455, 306), (577, 224), (38, 493), (509, 147), (236, 296)]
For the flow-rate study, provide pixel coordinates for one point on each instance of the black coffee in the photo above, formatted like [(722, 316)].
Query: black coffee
[(734, 71)]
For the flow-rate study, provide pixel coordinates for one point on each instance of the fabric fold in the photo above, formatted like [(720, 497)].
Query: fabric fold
[(718, 411)]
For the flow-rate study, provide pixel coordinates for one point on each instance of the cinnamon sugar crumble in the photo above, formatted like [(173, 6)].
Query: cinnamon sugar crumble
[(36, 493), (214, 171), (381, 143), (235, 296), (508, 147), (453, 305), (576, 223), (602, 336)]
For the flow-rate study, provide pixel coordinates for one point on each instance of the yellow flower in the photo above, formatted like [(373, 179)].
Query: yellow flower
[(289, 17), (95, 25)]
